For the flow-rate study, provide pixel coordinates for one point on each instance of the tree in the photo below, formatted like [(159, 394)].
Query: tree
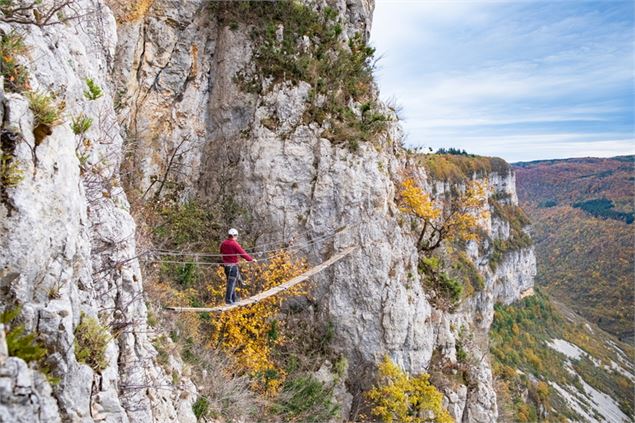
[(36, 12), (453, 151), (457, 220)]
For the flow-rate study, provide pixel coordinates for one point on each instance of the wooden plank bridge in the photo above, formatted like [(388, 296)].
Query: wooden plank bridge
[(272, 291)]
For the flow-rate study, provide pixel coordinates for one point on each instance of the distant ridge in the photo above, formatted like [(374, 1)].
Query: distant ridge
[(589, 159), (583, 227)]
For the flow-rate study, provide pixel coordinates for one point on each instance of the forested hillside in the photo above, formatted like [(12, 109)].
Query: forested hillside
[(552, 365), (582, 213)]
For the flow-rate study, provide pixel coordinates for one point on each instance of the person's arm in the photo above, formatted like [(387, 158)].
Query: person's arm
[(243, 253)]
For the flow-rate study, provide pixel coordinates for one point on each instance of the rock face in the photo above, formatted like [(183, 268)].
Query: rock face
[(68, 242), (168, 72)]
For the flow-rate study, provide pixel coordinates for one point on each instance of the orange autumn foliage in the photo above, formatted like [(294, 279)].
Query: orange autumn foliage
[(250, 333)]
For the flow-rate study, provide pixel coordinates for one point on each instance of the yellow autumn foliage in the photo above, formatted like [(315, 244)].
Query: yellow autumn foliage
[(127, 11), (457, 220), (399, 397), (416, 202), (249, 333), (163, 292)]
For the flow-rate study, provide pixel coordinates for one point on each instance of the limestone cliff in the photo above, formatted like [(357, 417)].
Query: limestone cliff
[(178, 115), (68, 240)]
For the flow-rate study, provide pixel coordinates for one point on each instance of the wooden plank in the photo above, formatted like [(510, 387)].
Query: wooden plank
[(270, 292)]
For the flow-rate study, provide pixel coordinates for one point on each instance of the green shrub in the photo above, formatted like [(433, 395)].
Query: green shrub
[(152, 318), (201, 407), (450, 287), (16, 76), (44, 108), (163, 356), (21, 344), (339, 74), (25, 345), (94, 91), (189, 223), (465, 271), (304, 398), (91, 340), (461, 353), (447, 290), (80, 124), (186, 275)]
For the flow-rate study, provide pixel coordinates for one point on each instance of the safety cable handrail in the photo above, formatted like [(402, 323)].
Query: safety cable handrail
[(272, 291), (216, 263), (165, 252)]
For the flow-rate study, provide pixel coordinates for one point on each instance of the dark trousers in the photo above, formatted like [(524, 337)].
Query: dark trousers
[(233, 277)]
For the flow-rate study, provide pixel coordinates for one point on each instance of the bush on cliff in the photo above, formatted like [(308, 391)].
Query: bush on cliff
[(457, 220), (25, 345), (446, 290), (398, 397), (297, 43), (16, 76), (304, 398), (91, 340)]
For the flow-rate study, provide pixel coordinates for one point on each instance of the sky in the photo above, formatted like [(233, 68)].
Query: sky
[(518, 79)]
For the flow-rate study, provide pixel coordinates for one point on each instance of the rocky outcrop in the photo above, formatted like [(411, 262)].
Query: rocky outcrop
[(68, 242), (298, 184), (170, 81)]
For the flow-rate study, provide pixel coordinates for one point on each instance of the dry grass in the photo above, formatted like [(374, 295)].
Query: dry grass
[(127, 12), (229, 395)]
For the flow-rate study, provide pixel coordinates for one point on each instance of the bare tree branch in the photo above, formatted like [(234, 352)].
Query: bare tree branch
[(37, 13)]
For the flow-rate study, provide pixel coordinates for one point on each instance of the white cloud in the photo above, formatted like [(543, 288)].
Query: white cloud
[(477, 74)]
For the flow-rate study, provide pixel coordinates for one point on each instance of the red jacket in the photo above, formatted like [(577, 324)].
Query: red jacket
[(231, 250)]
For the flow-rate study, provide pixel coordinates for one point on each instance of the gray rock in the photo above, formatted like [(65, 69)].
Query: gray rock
[(62, 231)]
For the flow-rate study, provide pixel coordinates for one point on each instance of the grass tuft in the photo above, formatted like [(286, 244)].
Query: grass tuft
[(91, 340)]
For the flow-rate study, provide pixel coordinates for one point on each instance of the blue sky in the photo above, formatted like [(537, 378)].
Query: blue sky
[(522, 80)]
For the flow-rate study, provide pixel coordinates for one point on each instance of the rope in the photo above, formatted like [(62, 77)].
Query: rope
[(295, 246), (272, 291), (175, 253), (206, 263)]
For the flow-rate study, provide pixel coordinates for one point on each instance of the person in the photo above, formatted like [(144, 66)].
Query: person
[(231, 251)]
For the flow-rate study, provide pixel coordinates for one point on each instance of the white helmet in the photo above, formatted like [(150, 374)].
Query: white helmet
[(232, 232)]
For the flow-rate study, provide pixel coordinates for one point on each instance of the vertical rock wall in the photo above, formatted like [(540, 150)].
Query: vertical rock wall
[(68, 241)]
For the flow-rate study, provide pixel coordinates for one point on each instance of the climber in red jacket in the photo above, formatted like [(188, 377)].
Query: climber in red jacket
[(231, 250)]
